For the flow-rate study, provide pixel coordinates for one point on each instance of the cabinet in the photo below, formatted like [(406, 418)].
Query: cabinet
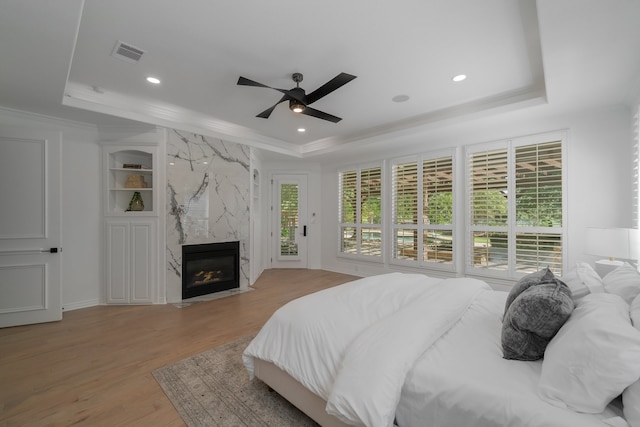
[(129, 170), (131, 236), (130, 261)]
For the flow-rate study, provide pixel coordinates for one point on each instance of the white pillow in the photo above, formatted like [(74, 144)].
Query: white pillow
[(583, 280), (631, 396), (593, 357), (634, 312), (623, 281)]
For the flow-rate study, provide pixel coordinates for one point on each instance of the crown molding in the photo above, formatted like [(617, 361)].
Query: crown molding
[(508, 101), (46, 120), (170, 116)]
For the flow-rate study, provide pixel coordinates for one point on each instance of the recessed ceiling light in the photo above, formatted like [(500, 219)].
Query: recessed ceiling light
[(400, 98), (302, 130), (205, 163), (153, 80), (171, 163), (459, 78)]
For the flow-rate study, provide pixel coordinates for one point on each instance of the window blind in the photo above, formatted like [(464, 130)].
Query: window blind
[(348, 192), (360, 211), (538, 185), (405, 193), (516, 206), (370, 195), (422, 206), (489, 188), (437, 178)]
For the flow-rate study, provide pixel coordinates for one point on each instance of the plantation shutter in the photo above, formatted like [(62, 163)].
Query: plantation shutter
[(405, 193), (370, 195), (538, 205), (437, 178), (516, 206), (360, 212), (348, 187), (437, 211), (489, 188), (405, 211), (538, 185), (348, 211)]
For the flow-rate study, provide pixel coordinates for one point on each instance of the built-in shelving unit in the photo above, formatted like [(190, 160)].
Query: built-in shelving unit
[(130, 234), (128, 171)]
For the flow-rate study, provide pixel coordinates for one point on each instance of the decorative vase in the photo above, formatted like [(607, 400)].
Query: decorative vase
[(136, 203)]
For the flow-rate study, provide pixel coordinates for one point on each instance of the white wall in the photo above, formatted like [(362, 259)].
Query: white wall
[(599, 184), (599, 170), (81, 259), (82, 226)]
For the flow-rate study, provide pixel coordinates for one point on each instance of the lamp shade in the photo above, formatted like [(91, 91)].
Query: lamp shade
[(613, 242)]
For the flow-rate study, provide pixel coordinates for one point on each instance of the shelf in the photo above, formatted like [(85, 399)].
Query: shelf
[(131, 170), (118, 196)]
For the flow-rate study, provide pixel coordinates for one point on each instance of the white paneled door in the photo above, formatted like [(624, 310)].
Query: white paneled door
[(29, 227)]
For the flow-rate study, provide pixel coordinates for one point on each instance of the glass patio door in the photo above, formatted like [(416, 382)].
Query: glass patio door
[(289, 221)]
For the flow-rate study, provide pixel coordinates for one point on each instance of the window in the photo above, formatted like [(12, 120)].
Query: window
[(361, 212), (422, 206), (516, 206), (288, 219)]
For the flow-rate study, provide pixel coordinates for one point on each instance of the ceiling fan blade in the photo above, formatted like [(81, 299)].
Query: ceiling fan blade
[(333, 84), (320, 115), (243, 81), (266, 113)]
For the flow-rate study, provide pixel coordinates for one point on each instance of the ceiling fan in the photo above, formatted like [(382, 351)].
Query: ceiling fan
[(298, 101)]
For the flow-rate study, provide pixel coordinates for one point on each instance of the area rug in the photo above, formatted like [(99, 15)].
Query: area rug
[(213, 389)]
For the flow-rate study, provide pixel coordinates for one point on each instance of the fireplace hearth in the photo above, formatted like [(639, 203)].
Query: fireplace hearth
[(210, 268)]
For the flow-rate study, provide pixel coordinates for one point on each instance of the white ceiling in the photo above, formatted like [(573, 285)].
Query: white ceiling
[(56, 60)]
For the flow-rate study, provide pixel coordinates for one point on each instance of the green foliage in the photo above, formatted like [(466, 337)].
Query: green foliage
[(489, 207), (371, 209), (539, 207), (439, 209)]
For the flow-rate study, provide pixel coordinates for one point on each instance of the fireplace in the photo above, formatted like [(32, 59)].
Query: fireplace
[(209, 268)]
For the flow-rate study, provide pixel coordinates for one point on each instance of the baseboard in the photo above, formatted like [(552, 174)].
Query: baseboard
[(80, 304)]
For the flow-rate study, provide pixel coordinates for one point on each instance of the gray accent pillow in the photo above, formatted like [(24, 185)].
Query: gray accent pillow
[(534, 317), (542, 276)]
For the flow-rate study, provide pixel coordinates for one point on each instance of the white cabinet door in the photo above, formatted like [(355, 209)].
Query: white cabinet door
[(117, 261), (130, 266), (29, 227), (141, 259)]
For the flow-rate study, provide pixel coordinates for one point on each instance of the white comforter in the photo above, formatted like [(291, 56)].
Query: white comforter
[(353, 344), (423, 349), (464, 381)]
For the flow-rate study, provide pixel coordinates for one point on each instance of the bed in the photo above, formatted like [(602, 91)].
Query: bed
[(412, 350)]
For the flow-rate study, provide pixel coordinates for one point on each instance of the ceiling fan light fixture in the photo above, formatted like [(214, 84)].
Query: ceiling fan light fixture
[(296, 106)]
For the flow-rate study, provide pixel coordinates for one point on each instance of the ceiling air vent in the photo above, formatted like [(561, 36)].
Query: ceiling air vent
[(126, 52)]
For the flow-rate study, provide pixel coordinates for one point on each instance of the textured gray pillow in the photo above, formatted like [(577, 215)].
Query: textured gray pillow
[(542, 276), (533, 318)]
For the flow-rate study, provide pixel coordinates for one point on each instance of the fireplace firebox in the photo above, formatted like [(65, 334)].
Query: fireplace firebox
[(209, 268)]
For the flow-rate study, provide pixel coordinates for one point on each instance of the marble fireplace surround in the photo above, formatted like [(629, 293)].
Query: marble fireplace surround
[(208, 195)]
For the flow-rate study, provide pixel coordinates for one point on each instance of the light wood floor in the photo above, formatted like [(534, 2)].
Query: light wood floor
[(94, 367)]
